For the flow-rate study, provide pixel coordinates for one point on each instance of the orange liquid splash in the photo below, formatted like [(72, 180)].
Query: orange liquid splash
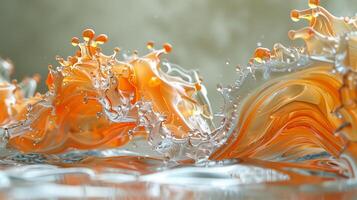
[(309, 107), (299, 106), (96, 101)]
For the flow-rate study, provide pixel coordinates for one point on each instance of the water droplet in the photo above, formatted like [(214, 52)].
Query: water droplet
[(167, 47), (295, 15), (117, 49), (101, 39), (88, 34), (219, 87), (238, 68), (261, 54), (75, 41), (150, 45), (314, 3)]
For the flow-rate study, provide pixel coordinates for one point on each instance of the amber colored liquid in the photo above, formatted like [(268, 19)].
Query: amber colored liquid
[(285, 119), (73, 116), (289, 116), (295, 114)]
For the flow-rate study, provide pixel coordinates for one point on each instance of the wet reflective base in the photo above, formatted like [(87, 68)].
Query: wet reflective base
[(119, 173)]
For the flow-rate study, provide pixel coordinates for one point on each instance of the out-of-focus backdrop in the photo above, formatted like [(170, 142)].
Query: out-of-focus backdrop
[(210, 35)]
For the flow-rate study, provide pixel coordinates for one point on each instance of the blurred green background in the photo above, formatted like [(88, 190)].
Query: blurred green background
[(210, 35)]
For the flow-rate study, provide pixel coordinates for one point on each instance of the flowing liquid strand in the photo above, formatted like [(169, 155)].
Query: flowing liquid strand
[(308, 107), (297, 118), (96, 101)]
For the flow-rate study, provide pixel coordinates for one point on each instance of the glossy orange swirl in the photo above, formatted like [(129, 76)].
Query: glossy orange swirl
[(288, 117), (309, 111), (95, 101)]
